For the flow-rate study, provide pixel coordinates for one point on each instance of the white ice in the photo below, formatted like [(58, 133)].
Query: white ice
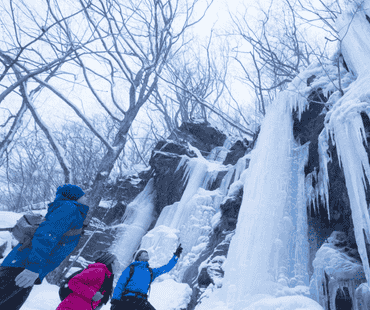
[(135, 223)]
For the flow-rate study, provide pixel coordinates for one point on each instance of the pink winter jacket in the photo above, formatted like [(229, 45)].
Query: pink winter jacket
[(84, 286)]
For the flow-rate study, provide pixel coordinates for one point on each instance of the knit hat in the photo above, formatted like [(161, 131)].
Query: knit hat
[(72, 192), (138, 253), (105, 258)]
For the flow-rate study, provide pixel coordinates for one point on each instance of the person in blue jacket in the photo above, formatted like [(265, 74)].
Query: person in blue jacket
[(21, 269), (132, 293)]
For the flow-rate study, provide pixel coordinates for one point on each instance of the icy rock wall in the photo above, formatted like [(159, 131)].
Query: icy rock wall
[(344, 122), (193, 217)]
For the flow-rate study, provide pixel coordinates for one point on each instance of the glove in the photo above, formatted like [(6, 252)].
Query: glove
[(178, 251)]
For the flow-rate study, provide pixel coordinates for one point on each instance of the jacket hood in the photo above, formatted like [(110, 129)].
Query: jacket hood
[(100, 266), (60, 200)]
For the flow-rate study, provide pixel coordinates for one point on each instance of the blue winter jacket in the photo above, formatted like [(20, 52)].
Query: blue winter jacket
[(140, 280), (46, 254)]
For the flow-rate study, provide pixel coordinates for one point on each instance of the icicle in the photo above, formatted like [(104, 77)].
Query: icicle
[(225, 183), (323, 178), (196, 171), (301, 245)]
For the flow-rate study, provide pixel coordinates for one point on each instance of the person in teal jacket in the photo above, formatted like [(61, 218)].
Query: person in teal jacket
[(133, 294), (20, 270)]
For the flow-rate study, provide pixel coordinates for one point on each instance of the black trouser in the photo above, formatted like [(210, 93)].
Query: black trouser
[(12, 297), (131, 303)]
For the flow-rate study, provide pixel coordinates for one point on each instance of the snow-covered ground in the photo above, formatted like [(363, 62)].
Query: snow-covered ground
[(165, 295)]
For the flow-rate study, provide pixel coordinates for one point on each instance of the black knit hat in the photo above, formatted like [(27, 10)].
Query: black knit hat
[(138, 253), (105, 258)]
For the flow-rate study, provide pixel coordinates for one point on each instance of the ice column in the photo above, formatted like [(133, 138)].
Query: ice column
[(265, 194), (136, 221), (301, 255)]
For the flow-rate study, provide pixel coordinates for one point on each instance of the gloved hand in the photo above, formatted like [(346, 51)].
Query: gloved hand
[(178, 251), (26, 278), (97, 296)]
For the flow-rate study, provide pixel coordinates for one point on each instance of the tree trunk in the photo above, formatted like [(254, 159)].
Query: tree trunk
[(95, 195)]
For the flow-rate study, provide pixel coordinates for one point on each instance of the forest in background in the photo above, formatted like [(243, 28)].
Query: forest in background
[(88, 87)]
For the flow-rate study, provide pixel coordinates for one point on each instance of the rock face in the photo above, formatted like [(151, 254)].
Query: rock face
[(199, 134), (165, 159), (168, 182), (110, 212), (306, 130), (237, 151)]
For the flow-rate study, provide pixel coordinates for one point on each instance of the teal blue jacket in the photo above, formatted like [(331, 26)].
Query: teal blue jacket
[(47, 253), (140, 280)]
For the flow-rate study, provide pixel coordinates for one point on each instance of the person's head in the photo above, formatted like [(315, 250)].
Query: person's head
[(142, 256), (113, 266), (69, 191), (109, 260)]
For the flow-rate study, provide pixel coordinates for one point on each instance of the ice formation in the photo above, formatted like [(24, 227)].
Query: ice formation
[(135, 223), (344, 121), (334, 270), (190, 220)]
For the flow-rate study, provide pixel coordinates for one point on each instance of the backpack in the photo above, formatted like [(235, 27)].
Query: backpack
[(132, 273), (64, 290), (26, 226)]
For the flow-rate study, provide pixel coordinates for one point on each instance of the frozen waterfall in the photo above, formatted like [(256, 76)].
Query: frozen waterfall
[(269, 251)]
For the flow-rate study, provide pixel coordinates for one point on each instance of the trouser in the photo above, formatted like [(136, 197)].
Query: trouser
[(12, 297), (131, 303)]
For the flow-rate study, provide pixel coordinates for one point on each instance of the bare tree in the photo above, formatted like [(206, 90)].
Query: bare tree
[(271, 50), (132, 42)]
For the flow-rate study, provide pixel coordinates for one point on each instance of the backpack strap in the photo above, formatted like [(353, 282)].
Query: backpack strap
[(125, 290), (151, 279), (132, 268)]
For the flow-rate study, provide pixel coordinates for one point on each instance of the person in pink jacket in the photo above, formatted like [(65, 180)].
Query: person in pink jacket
[(94, 285)]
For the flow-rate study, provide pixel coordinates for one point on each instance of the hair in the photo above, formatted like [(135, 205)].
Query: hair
[(107, 286)]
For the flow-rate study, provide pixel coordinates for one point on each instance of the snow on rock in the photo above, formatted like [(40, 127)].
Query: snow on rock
[(106, 204), (9, 219), (169, 295), (7, 241)]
